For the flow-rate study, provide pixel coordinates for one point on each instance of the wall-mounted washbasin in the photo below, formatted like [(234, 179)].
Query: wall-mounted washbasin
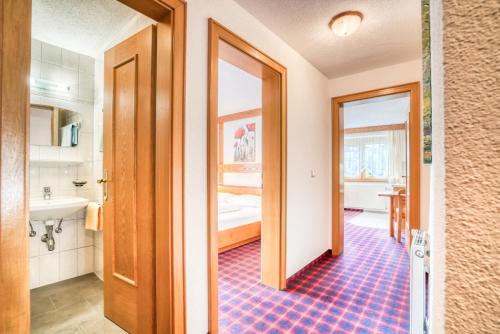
[(56, 208)]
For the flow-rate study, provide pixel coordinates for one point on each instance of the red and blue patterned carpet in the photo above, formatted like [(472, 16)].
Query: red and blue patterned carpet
[(366, 290)]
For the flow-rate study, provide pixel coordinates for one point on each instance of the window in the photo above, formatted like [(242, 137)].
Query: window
[(366, 156)]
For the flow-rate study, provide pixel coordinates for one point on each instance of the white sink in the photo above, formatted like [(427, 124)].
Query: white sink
[(56, 207)]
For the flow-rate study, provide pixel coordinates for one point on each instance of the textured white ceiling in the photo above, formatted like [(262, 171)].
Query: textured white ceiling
[(389, 33), (83, 26)]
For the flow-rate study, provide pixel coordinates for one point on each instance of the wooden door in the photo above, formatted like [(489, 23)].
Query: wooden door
[(129, 150), (15, 31)]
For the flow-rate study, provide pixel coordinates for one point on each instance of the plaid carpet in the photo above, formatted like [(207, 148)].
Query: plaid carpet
[(366, 290)]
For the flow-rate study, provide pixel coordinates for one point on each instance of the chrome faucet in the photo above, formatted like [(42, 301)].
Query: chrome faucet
[(48, 238), (47, 193)]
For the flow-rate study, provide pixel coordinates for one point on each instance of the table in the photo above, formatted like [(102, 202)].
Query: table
[(393, 196)]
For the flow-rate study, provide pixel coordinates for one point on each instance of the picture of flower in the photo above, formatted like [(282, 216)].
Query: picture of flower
[(244, 143)]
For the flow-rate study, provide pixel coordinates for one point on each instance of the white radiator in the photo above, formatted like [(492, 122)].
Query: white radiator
[(418, 282), (364, 195)]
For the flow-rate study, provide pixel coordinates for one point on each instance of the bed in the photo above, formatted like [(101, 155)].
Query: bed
[(239, 219)]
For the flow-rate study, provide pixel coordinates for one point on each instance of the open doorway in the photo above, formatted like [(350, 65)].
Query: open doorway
[(246, 172), (102, 79), (376, 171)]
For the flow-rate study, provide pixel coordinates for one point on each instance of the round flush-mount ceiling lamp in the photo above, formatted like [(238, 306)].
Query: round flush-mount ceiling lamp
[(346, 23)]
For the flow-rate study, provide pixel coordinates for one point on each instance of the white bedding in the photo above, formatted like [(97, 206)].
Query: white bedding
[(238, 210), (238, 218)]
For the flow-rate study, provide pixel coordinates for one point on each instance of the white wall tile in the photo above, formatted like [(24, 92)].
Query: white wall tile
[(68, 236), (98, 240), (50, 72), (36, 69), (35, 99), (98, 263), (86, 64), (68, 153), (85, 147), (66, 177), (70, 59), (87, 117), (86, 87), (85, 193), (68, 76), (68, 267), (85, 171), (51, 54), (49, 153), (85, 260), (66, 192), (49, 268), (35, 241), (85, 237), (34, 152), (34, 272), (36, 49), (35, 182)]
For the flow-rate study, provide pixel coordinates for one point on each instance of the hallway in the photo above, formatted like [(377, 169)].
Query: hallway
[(366, 290)]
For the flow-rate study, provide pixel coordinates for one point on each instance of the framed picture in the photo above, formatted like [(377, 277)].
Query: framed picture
[(242, 140)]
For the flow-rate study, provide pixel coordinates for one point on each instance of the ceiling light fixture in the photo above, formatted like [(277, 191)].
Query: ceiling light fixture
[(346, 23)]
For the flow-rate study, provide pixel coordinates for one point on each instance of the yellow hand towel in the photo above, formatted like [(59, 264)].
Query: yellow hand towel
[(93, 217)]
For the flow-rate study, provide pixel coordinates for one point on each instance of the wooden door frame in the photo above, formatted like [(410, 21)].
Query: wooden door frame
[(217, 33), (338, 141), (15, 36)]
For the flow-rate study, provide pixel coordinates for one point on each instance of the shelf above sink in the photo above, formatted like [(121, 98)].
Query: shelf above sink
[(56, 207), (52, 163)]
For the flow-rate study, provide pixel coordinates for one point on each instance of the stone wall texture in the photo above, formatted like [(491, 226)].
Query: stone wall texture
[(471, 52)]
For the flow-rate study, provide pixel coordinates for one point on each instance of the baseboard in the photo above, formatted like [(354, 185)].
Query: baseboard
[(99, 276), (308, 266)]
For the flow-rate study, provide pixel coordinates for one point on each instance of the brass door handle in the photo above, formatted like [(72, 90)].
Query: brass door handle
[(104, 182)]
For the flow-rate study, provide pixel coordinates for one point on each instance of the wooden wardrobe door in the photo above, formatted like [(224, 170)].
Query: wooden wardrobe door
[(129, 149)]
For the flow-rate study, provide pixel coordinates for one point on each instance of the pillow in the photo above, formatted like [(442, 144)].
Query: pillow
[(223, 197), (253, 201)]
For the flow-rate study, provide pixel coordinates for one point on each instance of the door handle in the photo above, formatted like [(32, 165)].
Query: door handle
[(104, 182)]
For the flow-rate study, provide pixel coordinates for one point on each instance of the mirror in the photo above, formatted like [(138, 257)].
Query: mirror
[(53, 126)]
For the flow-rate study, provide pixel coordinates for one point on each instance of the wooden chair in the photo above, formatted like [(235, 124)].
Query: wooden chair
[(401, 214)]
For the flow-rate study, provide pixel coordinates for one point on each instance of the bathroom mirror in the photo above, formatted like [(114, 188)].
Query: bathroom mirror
[(53, 126)]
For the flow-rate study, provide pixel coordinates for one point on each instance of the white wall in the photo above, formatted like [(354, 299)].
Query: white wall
[(393, 75), (437, 221), (308, 230), (397, 74)]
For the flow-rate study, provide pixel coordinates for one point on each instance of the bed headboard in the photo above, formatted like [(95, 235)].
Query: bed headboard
[(247, 165)]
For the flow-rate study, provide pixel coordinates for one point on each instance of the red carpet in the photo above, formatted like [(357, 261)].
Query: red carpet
[(366, 290)]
